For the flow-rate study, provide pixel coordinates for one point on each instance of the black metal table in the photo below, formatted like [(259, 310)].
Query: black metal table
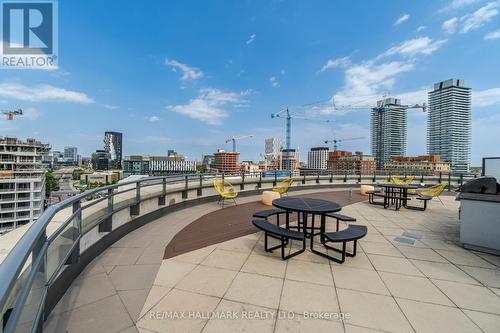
[(398, 190), (307, 206)]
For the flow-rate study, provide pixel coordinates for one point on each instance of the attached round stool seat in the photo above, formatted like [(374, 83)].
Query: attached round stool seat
[(269, 196), (364, 189)]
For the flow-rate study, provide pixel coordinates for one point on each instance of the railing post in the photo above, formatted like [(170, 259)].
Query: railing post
[(374, 179), (74, 258), (136, 208), (345, 176), (185, 192), (304, 178), (359, 179), (37, 248), (199, 191), (162, 197), (275, 178), (461, 179), (449, 182), (317, 178), (259, 184), (331, 176), (242, 184), (422, 178), (440, 176), (107, 225)]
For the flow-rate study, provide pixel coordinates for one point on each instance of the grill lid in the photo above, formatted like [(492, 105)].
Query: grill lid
[(483, 185)]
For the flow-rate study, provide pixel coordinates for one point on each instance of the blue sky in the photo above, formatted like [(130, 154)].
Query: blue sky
[(187, 75)]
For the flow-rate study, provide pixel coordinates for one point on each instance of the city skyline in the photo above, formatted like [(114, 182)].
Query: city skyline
[(196, 76)]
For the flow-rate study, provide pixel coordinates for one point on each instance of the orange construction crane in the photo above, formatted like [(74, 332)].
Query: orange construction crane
[(11, 113)]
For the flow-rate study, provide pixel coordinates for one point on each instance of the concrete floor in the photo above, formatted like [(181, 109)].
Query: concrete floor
[(433, 285)]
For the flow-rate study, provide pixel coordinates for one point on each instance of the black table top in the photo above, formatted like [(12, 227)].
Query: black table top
[(307, 205), (398, 186)]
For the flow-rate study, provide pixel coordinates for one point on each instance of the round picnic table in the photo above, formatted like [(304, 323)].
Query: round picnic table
[(305, 206)]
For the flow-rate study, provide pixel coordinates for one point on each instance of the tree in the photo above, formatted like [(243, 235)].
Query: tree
[(50, 183), (77, 173)]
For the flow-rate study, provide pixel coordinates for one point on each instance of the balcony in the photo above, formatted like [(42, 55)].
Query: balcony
[(140, 256)]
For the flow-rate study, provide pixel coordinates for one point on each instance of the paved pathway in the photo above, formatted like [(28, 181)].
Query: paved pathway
[(110, 293), (433, 285)]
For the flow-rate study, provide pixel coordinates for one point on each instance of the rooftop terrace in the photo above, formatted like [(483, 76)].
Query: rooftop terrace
[(226, 282)]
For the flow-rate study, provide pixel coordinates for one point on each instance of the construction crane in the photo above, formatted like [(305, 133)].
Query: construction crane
[(233, 140), (382, 105), (337, 142), (285, 114), (11, 113)]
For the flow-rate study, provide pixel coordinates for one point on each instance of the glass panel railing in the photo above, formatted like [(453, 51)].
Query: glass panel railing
[(16, 288), (31, 310), (60, 247)]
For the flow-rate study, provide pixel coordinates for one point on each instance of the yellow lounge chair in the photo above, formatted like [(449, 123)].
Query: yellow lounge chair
[(399, 181), (283, 186), (225, 191), (434, 191), (406, 181)]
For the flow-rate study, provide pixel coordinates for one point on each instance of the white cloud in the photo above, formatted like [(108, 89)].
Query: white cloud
[(274, 81), (414, 97), (402, 19), (42, 93), (486, 97), (450, 26), (251, 39), (421, 28), (455, 4), (334, 63), (366, 82), (110, 106), (30, 113), (493, 35), (188, 72), (412, 47), (153, 119), (210, 106), (479, 18)]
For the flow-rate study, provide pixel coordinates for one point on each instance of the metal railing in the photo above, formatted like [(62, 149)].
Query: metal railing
[(38, 258)]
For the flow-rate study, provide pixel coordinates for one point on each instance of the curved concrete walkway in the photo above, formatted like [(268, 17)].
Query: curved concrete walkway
[(432, 285), (110, 293)]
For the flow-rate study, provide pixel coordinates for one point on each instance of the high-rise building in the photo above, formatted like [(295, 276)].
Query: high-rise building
[(22, 181), (101, 160), (344, 162), (288, 159), (317, 158), (225, 161), (71, 154), (449, 124), (273, 147), (388, 130), (113, 145)]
